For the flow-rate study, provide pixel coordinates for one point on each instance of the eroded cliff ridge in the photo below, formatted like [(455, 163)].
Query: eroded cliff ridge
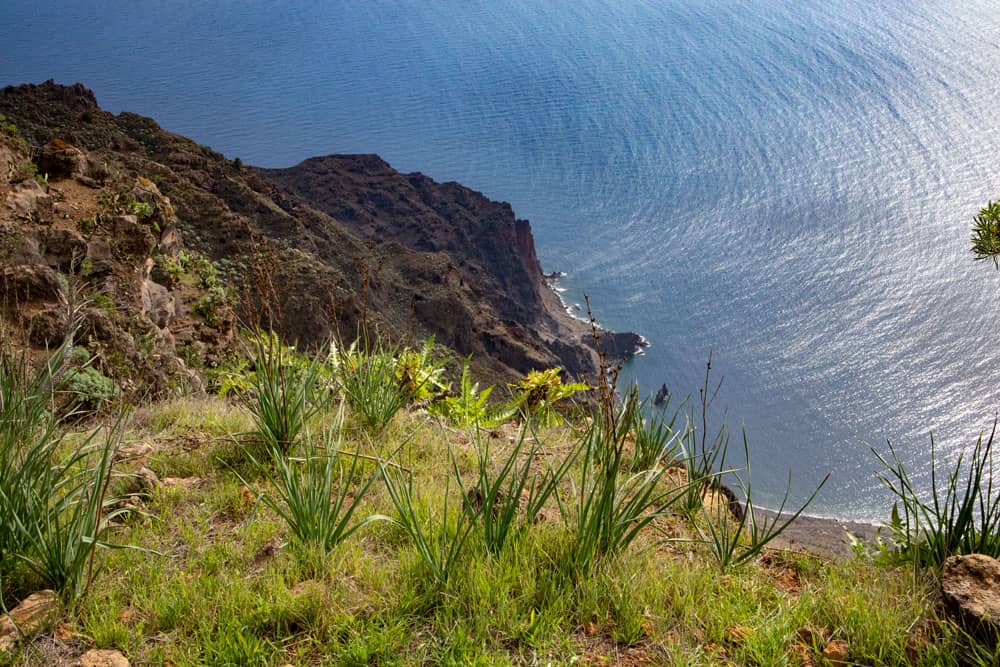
[(170, 241)]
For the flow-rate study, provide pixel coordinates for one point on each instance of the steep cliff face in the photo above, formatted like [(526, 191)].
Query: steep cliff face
[(316, 248)]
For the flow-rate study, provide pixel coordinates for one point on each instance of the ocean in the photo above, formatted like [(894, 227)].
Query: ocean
[(788, 184)]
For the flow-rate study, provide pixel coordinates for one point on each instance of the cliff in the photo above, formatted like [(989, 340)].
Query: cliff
[(173, 240)]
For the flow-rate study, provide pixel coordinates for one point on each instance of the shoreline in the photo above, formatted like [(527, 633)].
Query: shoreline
[(822, 536)]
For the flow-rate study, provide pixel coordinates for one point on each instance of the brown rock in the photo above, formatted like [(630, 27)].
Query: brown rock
[(103, 658), (59, 159), (836, 652), (970, 586), (28, 618)]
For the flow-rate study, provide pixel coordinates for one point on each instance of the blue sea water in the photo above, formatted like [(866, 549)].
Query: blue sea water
[(787, 183)]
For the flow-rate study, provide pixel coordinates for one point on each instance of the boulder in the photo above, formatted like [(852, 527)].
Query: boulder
[(28, 198), (970, 587), (158, 303), (27, 283), (62, 248), (59, 159)]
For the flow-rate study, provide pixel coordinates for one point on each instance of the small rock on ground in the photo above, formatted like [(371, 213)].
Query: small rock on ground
[(27, 618), (836, 652), (970, 586), (103, 658)]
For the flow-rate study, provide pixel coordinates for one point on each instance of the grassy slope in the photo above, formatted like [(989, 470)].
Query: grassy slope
[(227, 586)]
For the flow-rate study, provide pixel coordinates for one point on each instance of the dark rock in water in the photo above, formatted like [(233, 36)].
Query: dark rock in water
[(970, 587), (662, 395), (619, 345)]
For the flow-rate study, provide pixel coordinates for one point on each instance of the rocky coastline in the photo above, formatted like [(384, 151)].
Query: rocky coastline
[(324, 248)]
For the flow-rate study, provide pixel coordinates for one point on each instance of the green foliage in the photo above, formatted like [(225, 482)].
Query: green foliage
[(611, 508), (471, 407), (506, 500), (370, 384), (91, 389), (317, 492), (282, 391), (986, 233), (735, 540), (419, 374), (656, 437), (544, 391), (8, 128), (21, 171), (961, 518), (439, 540), (42, 180), (140, 209), (55, 510), (210, 305)]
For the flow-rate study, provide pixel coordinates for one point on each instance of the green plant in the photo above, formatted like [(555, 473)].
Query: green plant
[(140, 209), (438, 543), (471, 407), (961, 518), (317, 493), (42, 180), (737, 538), (986, 233), (656, 437), (499, 496), (54, 503), (543, 391), (610, 508), (419, 374), (210, 305), (370, 385), (281, 394), (18, 172), (7, 127)]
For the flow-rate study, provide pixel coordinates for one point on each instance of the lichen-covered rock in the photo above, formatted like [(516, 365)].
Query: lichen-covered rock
[(970, 587)]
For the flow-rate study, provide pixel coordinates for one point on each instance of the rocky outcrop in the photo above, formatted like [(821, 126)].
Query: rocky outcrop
[(315, 250), (970, 588)]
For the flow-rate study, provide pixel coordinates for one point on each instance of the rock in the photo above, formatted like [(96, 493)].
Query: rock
[(661, 395), (157, 303), (62, 248), (27, 283), (29, 199), (836, 652), (970, 586), (149, 479), (182, 483), (811, 636), (47, 328), (59, 159), (103, 658), (28, 618)]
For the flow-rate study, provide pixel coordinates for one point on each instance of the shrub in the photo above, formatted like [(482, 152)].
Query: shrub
[(471, 407), (370, 385), (54, 505)]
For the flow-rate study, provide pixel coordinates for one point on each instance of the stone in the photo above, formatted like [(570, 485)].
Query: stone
[(836, 652), (29, 199), (103, 658), (158, 303), (59, 159), (28, 618), (27, 283), (970, 587), (63, 248)]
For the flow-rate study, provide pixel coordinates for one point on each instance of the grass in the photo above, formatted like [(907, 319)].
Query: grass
[(504, 546)]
